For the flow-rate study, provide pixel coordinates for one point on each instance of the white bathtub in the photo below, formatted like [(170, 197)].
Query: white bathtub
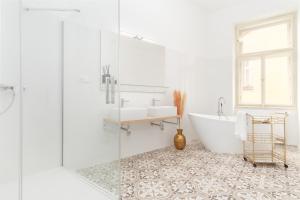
[(217, 133)]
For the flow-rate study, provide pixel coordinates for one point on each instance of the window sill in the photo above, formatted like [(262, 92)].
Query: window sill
[(253, 107)]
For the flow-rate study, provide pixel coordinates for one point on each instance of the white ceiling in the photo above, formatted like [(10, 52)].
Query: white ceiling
[(213, 5)]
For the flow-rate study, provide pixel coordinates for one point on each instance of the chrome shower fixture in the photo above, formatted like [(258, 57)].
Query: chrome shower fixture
[(4, 88), (138, 37)]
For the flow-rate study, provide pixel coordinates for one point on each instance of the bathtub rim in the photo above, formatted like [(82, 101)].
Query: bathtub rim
[(214, 117)]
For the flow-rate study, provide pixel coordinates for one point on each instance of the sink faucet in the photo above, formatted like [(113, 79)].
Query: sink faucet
[(123, 101), (221, 102), (154, 101)]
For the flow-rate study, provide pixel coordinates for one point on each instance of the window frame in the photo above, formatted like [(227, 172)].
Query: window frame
[(291, 18)]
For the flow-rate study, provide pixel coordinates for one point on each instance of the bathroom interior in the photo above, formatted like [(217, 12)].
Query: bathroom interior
[(149, 100)]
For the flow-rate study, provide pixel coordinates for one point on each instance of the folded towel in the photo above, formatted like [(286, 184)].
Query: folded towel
[(241, 125)]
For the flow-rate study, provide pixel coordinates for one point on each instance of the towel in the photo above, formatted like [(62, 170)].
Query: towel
[(241, 125)]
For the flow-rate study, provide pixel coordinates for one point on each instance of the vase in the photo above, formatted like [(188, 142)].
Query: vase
[(179, 140)]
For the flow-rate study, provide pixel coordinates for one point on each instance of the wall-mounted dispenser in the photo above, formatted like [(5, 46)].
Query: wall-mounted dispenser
[(109, 81), (105, 76)]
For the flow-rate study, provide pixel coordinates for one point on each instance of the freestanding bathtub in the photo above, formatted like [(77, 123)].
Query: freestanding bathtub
[(217, 133)]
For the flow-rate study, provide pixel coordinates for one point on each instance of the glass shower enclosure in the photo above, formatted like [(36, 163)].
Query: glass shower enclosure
[(59, 82)]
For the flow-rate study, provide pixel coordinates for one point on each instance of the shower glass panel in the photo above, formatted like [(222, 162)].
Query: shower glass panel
[(70, 87), (9, 100)]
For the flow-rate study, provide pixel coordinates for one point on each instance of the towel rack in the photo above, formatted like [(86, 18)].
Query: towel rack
[(52, 9)]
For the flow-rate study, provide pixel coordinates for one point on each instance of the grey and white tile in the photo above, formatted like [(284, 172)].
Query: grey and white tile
[(196, 174)]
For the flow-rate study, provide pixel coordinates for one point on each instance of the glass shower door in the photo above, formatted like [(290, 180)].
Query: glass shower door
[(70, 90), (91, 144), (9, 100)]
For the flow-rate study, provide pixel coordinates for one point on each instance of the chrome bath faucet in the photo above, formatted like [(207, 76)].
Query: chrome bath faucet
[(221, 102)]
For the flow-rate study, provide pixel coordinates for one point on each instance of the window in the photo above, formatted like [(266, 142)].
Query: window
[(265, 63)]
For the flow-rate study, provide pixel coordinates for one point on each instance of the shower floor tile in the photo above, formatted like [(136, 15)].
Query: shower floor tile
[(106, 176), (196, 173), (54, 184)]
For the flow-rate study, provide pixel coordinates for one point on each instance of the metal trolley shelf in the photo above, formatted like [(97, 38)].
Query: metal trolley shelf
[(266, 139)]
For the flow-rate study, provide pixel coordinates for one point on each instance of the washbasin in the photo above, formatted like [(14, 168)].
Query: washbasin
[(162, 111), (129, 113)]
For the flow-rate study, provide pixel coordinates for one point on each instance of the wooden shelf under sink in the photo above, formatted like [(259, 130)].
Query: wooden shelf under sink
[(148, 119)]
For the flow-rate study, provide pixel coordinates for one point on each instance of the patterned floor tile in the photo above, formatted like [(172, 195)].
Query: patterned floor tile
[(153, 189), (197, 174)]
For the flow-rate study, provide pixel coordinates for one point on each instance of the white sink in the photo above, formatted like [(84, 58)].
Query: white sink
[(130, 113), (162, 111)]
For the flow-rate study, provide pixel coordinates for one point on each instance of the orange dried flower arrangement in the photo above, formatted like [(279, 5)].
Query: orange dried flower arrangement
[(179, 102)]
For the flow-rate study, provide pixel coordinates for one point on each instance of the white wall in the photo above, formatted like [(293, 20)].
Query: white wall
[(219, 56), (176, 24), (179, 26)]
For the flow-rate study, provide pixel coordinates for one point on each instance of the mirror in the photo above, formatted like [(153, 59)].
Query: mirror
[(142, 63)]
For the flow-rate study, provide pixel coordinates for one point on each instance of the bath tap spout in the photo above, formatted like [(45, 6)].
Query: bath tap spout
[(221, 102)]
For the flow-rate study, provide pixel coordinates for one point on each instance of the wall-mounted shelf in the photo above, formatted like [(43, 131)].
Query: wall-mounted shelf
[(125, 124), (147, 119)]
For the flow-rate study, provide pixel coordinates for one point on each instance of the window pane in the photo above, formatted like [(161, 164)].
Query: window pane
[(267, 38), (250, 86), (278, 81)]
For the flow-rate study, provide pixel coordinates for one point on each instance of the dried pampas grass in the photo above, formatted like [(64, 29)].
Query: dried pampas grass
[(179, 101)]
